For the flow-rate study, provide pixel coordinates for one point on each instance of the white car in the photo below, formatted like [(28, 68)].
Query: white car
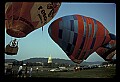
[(55, 69), (59, 70)]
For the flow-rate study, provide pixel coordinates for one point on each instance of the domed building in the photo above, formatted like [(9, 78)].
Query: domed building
[(50, 59)]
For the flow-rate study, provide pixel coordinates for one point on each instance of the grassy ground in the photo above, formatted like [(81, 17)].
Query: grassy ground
[(108, 72), (103, 72)]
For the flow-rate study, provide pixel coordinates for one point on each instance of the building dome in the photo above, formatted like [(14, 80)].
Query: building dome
[(50, 59)]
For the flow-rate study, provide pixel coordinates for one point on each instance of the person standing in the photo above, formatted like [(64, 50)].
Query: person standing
[(30, 72), (14, 43), (25, 72), (20, 72)]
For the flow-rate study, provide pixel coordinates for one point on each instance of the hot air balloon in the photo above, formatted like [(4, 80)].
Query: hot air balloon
[(21, 18), (79, 36), (107, 51)]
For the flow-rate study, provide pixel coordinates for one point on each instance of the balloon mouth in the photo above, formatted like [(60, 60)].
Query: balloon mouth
[(19, 29), (15, 33)]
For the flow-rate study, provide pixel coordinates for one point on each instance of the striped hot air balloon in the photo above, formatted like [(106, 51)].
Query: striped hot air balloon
[(79, 36), (107, 51)]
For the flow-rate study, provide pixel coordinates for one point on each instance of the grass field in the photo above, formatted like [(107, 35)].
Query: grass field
[(108, 72), (103, 72)]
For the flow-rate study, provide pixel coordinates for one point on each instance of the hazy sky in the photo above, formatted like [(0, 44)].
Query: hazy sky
[(39, 44)]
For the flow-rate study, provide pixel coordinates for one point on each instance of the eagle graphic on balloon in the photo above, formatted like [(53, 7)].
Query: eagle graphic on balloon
[(77, 35)]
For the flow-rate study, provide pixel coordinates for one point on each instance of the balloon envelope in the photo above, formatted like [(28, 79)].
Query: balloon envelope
[(78, 36), (108, 50), (21, 18)]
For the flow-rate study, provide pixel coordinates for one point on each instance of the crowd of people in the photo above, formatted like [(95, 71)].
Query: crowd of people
[(9, 72)]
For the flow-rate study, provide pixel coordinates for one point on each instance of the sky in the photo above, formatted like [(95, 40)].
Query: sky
[(39, 44)]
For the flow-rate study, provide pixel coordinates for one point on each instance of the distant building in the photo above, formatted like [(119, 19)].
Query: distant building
[(50, 59), (8, 65)]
